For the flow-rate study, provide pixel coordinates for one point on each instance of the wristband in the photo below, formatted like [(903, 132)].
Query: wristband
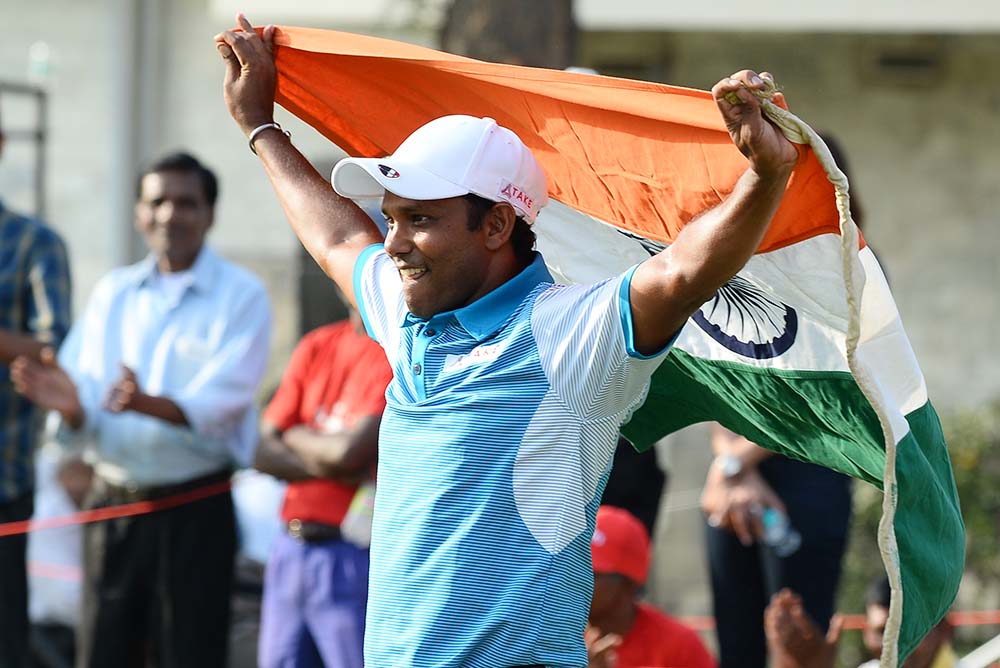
[(260, 128)]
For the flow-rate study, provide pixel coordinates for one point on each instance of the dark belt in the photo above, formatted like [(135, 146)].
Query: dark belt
[(312, 532), (134, 493)]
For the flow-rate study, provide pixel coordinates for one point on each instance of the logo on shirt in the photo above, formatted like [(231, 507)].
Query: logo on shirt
[(331, 421), (480, 355), (388, 171)]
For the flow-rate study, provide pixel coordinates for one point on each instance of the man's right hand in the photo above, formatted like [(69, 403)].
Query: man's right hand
[(793, 639), (601, 648), (46, 384), (251, 77)]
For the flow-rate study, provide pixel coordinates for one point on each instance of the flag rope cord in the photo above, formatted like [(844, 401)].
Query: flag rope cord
[(798, 131)]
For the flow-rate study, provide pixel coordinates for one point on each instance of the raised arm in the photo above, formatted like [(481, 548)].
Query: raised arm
[(669, 287), (333, 229)]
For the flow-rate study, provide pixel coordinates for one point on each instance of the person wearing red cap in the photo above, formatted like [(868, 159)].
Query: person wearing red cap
[(624, 632)]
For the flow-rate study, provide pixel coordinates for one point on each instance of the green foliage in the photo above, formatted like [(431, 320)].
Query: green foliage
[(862, 564), (974, 443)]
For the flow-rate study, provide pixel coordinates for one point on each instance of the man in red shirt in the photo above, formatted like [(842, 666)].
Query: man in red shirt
[(623, 632), (320, 432)]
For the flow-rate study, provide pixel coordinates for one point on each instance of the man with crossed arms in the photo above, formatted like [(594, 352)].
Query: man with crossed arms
[(508, 390)]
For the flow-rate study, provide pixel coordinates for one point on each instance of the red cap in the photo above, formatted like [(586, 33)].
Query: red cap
[(620, 544)]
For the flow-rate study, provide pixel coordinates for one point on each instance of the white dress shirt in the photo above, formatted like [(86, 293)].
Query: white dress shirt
[(205, 347)]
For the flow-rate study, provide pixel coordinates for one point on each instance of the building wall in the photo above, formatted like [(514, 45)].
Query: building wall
[(128, 81)]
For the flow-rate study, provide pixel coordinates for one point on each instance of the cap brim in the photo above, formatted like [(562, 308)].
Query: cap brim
[(371, 177)]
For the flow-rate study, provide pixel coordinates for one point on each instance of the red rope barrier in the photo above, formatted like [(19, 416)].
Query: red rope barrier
[(114, 512), (698, 623), (857, 622), (63, 572)]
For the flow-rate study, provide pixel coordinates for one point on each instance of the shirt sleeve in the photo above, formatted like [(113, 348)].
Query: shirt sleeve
[(49, 292), (585, 342), (222, 394), (378, 292)]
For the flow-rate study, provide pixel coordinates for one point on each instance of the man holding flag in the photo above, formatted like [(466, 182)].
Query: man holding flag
[(508, 390)]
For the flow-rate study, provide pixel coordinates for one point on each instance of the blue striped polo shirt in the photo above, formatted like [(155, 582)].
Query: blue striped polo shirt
[(496, 442)]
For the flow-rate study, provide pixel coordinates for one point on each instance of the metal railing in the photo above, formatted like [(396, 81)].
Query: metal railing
[(983, 656)]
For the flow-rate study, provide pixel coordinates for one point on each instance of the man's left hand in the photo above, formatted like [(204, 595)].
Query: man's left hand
[(122, 395), (769, 152)]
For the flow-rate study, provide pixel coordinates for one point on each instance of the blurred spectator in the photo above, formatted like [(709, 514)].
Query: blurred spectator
[(34, 314), (320, 432), (623, 632), (257, 498), (162, 368), (636, 483), (934, 651), (743, 483), (793, 638), (55, 557), (795, 641)]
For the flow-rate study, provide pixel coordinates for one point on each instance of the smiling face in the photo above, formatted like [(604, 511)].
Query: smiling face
[(173, 214), (444, 265)]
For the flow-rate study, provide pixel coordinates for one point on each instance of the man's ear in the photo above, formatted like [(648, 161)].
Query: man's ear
[(499, 225)]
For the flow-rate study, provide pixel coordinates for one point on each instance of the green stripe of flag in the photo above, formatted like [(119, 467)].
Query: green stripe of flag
[(823, 418)]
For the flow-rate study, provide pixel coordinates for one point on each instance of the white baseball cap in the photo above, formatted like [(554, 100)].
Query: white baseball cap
[(449, 157)]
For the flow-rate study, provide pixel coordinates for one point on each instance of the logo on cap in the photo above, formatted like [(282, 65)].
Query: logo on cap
[(599, 538), (388, 171), (515, 195)]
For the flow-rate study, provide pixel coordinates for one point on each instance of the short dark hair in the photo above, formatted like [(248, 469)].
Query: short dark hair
[(522, 237), (186, 164), (840, 157), (878, 592)]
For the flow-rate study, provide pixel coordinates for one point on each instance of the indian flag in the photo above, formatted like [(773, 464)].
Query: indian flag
[(803, 352)]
